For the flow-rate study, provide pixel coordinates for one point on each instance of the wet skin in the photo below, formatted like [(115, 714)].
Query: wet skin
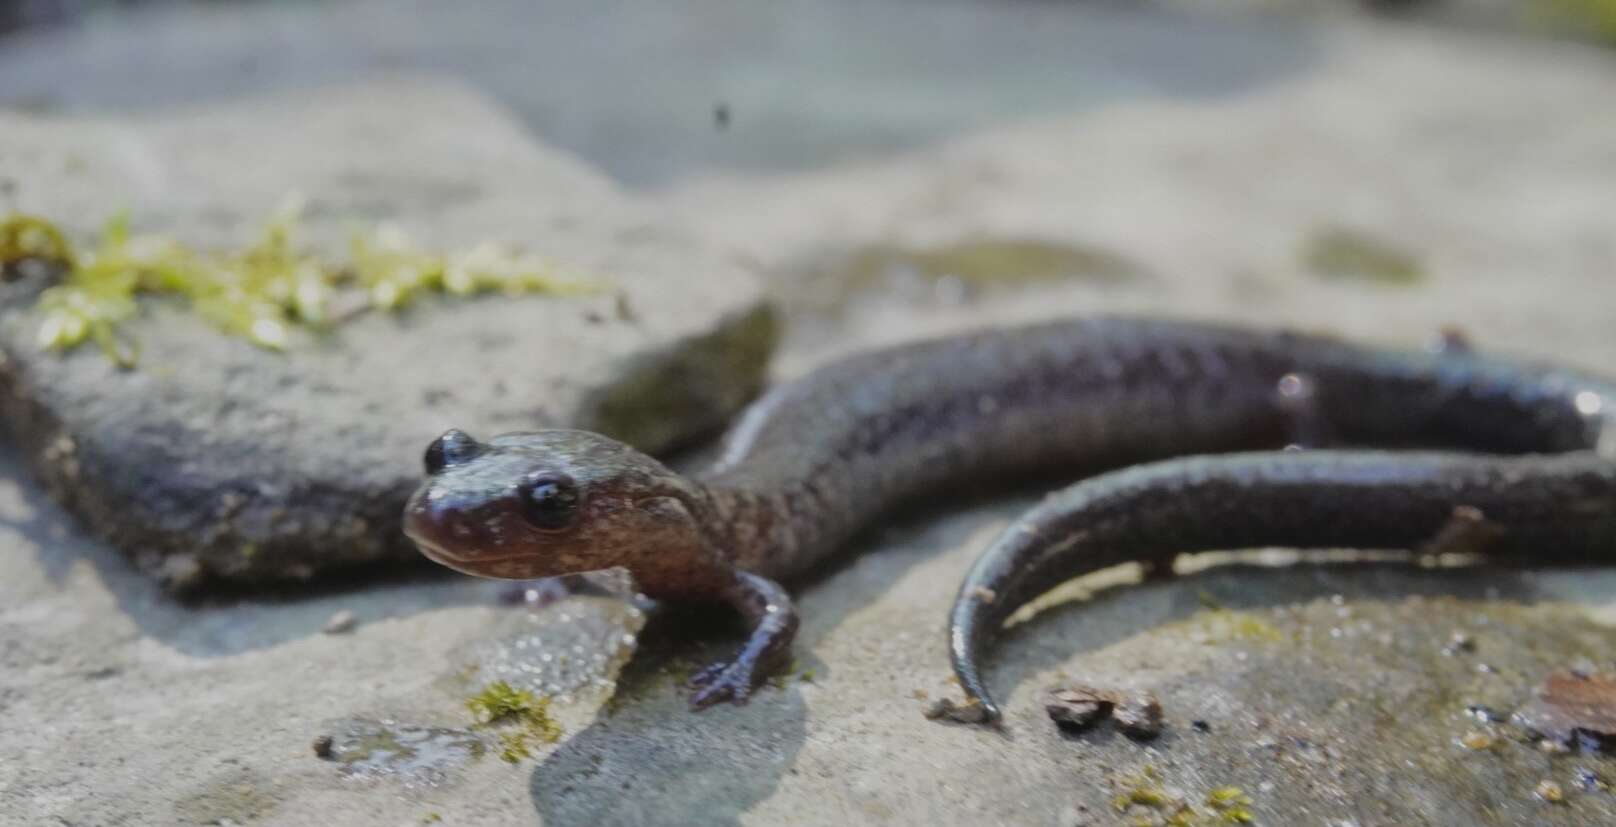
[(816, 459)]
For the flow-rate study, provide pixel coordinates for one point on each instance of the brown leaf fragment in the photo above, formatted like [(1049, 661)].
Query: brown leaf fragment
[(945, 709), (1574, 709), (1079, 707), (1139, 716)]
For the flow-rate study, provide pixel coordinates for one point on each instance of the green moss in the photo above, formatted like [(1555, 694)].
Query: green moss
[(514, 747), (1224, 625), (499, 701), (1595, 18), (657, 401), (990, 262), (29, 236), (1142, 796), (1224, 798), (1225, 805), (1231, 805), (793, 671), (528, 716), (1345, 254), (1142, 790), (261, 292)]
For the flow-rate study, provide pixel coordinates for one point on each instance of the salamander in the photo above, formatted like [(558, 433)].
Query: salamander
[(816, 459), (1534, 508)]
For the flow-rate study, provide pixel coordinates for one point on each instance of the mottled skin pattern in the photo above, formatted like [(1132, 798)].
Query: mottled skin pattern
[(816, 459)]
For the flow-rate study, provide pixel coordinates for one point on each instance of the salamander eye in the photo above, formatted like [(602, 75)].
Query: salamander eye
[(549, 501), (454, 447)]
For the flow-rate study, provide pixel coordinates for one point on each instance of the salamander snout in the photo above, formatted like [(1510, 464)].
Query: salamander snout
[(466, 533)]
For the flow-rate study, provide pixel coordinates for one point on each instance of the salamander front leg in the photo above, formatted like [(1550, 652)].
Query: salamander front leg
[(768, 610)]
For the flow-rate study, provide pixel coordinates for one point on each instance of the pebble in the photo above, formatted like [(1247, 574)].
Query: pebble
[(341, 622)]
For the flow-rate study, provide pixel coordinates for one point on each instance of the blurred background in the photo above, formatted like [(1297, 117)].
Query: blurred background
[(641, 87)]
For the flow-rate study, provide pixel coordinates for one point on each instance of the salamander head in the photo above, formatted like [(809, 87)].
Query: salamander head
[(544, 503)]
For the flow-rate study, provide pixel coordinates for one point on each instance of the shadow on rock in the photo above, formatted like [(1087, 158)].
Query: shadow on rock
[(650, 760), (223, 624), (1116, 613)]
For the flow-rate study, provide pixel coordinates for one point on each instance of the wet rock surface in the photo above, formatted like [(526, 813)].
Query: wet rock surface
[(1332, 694), (215, 460)]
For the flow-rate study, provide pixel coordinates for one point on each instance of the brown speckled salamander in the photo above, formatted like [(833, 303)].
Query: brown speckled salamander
[(816, 459)]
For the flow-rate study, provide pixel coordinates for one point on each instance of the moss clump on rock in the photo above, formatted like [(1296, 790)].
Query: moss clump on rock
[(526, 715), (261, 292), (1350, 255), (1590, 18), (661, 395), (1144, 797)]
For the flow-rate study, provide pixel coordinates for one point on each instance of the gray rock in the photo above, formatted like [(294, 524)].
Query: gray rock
[(218, 460), (1325, 690), (342, 622), (647, 115), (1219, 204)]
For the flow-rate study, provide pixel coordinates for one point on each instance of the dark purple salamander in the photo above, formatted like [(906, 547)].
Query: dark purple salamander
[(816, 459), (1538, 508)]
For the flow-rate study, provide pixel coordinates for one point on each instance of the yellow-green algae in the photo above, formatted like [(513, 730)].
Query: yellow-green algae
[(985, 261), (1143, 797), (29, 236), (658, 397), (260, 292), (977, 265), (500, 703), (1346, 254), (1596, 18), (1231, 804), (1214, 626)]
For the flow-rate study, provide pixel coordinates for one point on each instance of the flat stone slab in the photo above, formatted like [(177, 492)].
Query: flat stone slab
[(1331, 695), (218, 460)]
